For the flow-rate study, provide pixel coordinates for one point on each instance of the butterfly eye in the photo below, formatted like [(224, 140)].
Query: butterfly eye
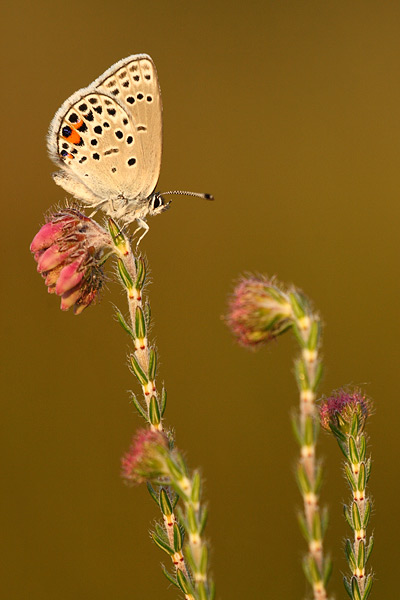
[(157, 202)]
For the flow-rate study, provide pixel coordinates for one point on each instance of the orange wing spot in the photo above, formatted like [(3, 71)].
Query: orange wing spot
[(73, 137), (78, 124)]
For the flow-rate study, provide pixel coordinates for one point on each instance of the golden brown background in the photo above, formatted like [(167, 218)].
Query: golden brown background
[(289, 113)]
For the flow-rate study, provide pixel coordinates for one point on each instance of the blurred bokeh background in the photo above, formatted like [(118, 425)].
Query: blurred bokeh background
[(289, 113)]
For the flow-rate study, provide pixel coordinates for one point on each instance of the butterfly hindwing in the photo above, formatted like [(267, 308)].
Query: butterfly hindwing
[(107, 137)]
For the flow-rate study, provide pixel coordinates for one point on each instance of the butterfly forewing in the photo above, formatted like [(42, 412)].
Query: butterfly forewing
[(109, 136)]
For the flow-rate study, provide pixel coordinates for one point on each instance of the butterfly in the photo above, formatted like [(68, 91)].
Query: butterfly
[(107, 141)]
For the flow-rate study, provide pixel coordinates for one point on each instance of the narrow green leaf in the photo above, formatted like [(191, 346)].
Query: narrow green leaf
[(361, 478), (306, 569), (314, 570), (297, 429), (170, 578), (316, 527), (138, 371), (361, 555), (313, 338), (324, 520), (154, 411), (123, 323), (165, 504), (204, 560), (355, 590), (302, 480), (173, 468), (203, 520), (338, 434), (327, 569), (177, 538), (368, 465), (163, 401), (140, 325), (368, 587), (356, 518), (350, 477), (309, 431), (139, 407), (140, 272), (369, 549), (362, 447), (298, 304), (303, 527), (319, 371), (191, 519), (161, 544), (318, 479), (348, 587), (353, 453), (354, 425), (367, 514), (211, 592), (300, 371), (123, 273), (201, 591), (183, 582), (351, 559), (175, 500), (152, 364), (196, 483), (115, 232), (153, 493), (348, 517)]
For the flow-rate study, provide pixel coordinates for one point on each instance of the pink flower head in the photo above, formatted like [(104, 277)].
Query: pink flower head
[(258, 311), (68, 249), (339, 410), (145, 459)]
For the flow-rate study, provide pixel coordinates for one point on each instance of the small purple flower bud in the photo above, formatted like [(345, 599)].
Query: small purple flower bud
[(145, 459), (339, 410), (259, 311), (68, 250)]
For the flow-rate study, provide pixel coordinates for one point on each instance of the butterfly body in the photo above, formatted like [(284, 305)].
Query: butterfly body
[(107, 140)]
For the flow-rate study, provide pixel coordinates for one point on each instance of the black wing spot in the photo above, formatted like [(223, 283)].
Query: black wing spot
[(83, 107), (98, 129), (149, 98), (129, 139), (89, 116), (148, 77), (140, 96), (106, 124), (73, 118), (111, 151), (82, 128), (115, 92), (82, 160), (93, 142), (119, 134), (131, 161), (113, 170), (93, 100), (111, 111), (96, 156), (125, 121), (98, 109), (125, 84)]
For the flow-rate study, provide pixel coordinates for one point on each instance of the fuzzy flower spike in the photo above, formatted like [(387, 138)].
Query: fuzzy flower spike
[(69, 250), (345, 414), (259, 311)]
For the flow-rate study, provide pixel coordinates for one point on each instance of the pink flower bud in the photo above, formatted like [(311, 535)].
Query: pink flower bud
[(69, 249), (339, 410), (258, 311), (145, 458)]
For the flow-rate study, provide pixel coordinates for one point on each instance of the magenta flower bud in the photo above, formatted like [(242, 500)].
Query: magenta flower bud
[(145, 459), (69, 249), (258, 311), (338, 410)]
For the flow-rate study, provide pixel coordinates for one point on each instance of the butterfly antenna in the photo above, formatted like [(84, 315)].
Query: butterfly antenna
[(184, 193)]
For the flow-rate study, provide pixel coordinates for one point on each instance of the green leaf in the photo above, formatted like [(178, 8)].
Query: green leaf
[(362, 447), (353, 453), (361, 478), (309, 431), (355, 590), (316, 527), (351, 559), (319, 371), (123, 323), (204, 560), (313, 338), (302, 480), (154, 411), (115, 232), (324, 520), (348, 517), (123, 273), (300, 371), (350, 478), (170, 578), (191, 519), (303, 526), (203, 520), (327, 569), (297, 429), (138, 371), (183, 582), (211, 592), (196, 483), (152, 364), (153, 493), (369, 548), (348, 587), (368, 586), (140, 272), (147, 314), (361, 555), (367, 514), (139, 407), (354, 425), (177, 538), (161, 544), (201, 591), (356, 516), (298, 304), (165, 504), (140, 325), (163, 401), (318, 479)]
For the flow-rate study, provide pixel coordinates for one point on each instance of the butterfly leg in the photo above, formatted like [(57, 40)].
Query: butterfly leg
[(142, 225)]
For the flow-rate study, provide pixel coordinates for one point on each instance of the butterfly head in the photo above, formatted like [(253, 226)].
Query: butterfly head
[(157, 204)]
